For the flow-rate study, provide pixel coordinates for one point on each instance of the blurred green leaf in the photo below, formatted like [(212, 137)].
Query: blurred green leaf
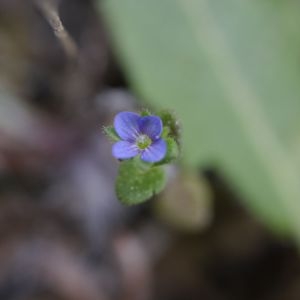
[(185, 203), (230, 70)]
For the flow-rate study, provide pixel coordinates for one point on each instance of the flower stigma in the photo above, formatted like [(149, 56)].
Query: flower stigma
[(143, 141)]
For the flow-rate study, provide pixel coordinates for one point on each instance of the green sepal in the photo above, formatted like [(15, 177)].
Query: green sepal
[(137, 181), (145, 112), (171, 125), (165, 133), (172, 152), (110, 132)]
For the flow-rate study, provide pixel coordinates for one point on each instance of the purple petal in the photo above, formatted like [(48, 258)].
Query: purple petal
[(151, 126), (124, 150), (126, 125), (155, 152)]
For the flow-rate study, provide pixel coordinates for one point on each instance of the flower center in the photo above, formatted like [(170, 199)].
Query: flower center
[(143, 141)]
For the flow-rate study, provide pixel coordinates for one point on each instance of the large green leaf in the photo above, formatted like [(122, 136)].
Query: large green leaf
[(229, 68)]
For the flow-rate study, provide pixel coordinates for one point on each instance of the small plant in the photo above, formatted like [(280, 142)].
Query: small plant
[(144, 143)]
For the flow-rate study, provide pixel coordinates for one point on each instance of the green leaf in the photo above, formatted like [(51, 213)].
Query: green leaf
[(230, 70), (138, 182)]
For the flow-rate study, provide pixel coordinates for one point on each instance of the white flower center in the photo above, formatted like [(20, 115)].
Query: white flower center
[(143, 141)]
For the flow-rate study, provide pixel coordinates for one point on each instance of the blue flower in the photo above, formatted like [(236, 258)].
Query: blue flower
[(141, 135)]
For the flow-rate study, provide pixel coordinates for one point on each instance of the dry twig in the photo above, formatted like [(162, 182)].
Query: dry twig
[(49, 9)]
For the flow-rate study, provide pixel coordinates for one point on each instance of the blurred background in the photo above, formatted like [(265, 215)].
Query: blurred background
[(227, 225)]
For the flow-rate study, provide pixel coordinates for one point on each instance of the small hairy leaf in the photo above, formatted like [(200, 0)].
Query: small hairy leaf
[(137, 183)]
